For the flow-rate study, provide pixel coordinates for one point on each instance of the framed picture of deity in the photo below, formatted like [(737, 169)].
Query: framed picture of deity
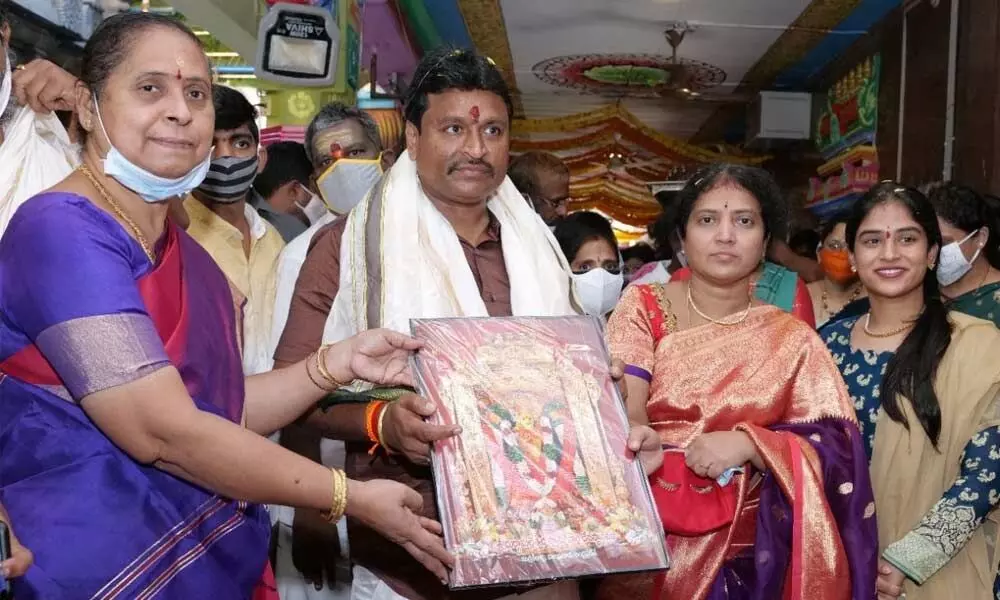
[(539, 485)]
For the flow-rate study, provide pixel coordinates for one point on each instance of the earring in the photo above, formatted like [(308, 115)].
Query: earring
[(930, 265), (854, 268)]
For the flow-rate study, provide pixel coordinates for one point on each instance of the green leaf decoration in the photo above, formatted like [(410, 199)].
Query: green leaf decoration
[(552, 452), (513, 453)]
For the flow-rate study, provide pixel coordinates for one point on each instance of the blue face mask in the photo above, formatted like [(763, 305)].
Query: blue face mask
[(150, 187)]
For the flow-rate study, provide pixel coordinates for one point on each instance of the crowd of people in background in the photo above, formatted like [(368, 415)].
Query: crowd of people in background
[(178, 293)]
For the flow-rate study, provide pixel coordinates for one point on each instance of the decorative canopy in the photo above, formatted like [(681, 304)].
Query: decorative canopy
[(613, 158)]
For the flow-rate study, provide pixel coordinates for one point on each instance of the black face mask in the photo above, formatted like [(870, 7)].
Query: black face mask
[(229, 178)]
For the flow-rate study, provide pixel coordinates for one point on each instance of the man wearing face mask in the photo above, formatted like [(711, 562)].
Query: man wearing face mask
[(345, 150), (281, 190), (245, 246), (349, 136), (543, 179)]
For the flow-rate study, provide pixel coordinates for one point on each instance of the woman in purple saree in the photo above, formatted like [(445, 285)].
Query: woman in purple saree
[(131, 460)]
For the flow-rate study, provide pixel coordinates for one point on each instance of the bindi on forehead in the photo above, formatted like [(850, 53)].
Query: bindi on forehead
[(474, 113)]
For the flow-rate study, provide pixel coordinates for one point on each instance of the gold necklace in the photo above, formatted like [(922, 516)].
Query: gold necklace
[(824, 298), (103, 191), (742, 317), (892, 332)]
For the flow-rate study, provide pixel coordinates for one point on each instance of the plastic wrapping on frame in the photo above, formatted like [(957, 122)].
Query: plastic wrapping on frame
[(540, 485)]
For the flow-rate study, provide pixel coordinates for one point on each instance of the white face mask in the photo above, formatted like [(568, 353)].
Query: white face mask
[(314, 209), (344, 185), (598, 291), (952, 264), (149, 186)]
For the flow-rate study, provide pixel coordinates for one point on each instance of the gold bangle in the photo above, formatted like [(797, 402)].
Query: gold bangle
[(312, 378), (339, 503), (343, 493), (321, 365)]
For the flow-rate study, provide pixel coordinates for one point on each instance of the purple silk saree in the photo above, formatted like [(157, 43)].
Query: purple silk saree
[(82, 310)]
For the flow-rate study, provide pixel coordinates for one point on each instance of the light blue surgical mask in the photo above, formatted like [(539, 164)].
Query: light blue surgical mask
[(150, 187)]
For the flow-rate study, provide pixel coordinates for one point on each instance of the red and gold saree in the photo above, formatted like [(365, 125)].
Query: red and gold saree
[(805, 528)]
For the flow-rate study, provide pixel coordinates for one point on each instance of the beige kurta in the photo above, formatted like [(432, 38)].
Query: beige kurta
[(910, 476)]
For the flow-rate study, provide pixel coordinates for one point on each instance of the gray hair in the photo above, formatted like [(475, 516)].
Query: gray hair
[(335, 113)]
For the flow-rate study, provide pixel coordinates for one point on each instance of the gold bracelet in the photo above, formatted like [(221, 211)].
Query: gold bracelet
[(343, 493), (312, 378), (339, 504), (321, 365)]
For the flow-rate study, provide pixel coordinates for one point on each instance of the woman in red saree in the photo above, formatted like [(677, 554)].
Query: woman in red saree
[(764, 492)]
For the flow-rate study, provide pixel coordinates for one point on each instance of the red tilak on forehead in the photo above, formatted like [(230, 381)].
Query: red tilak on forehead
[(336, 151), (474, 113), (178, 74), (887, 234)]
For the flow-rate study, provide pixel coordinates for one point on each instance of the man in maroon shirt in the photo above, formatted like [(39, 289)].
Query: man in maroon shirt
[(458, 114)]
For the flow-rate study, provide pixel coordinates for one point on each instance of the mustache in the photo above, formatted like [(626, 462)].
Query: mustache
[(475, 162)]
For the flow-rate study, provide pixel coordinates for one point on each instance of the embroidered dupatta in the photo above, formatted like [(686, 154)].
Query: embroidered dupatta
[(805, 528)]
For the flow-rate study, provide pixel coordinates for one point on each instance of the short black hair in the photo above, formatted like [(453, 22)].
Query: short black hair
[(4, 16), (756, 181), (641, 251), (576, 229), (804, 242), (447, 68), (286, 161), (662, 230), (233, 110), (525, 168), (970, 211), (112, 40)]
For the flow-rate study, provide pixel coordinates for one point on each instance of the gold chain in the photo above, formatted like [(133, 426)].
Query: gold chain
[(854, 296), (139, 237), (892, 332), (742, 317)]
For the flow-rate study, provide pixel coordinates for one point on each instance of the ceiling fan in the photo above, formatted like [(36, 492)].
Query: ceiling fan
[(618, 164), (682, 83)]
